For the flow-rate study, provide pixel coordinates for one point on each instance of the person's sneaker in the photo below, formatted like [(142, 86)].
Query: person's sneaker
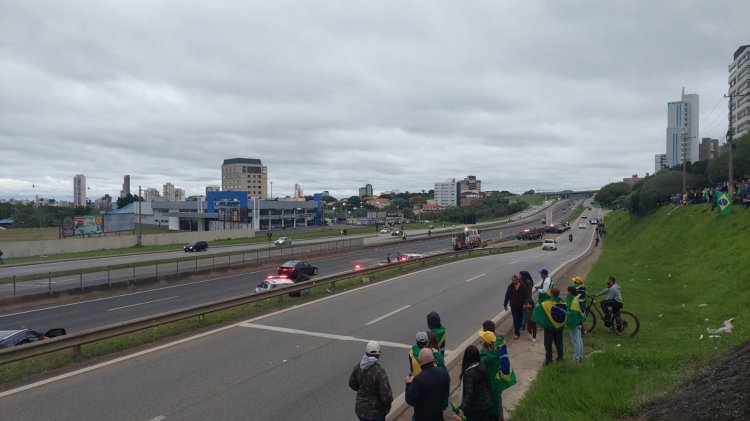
[(533, 340), (515, 338)]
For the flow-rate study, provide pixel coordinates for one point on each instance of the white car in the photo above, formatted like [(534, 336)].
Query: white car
[(385, 231), (593, 221), (581, 225), (549, 245), (283, 241), (405, 257)]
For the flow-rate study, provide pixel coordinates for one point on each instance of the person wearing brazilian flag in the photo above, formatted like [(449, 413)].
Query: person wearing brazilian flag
[(544, 289), (573, 322), (550, 315), (494, 355), (433, 323), (423, 339)]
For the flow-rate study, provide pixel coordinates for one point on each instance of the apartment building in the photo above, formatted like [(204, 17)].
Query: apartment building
[(79, 190), (682, 129), (244, 174), (446, 193), (739, 92)]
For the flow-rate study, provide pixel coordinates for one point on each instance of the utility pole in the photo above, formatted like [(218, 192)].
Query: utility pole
[(683, 149), (140, 199)]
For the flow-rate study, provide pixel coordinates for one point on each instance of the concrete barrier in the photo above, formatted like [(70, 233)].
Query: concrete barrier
[(13, 249)]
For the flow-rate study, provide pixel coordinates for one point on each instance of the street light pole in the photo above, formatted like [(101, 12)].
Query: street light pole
[(140, 199)]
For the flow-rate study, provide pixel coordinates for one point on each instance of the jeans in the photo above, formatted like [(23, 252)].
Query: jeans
[(614, 304), (551, 336), (577, 340), (517, 319), (370, 419)]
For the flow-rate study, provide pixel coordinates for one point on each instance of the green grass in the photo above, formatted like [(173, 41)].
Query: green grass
[(666, 265), (532, 199)]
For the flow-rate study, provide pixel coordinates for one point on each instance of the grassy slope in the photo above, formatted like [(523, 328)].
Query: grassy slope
[(667, 265)]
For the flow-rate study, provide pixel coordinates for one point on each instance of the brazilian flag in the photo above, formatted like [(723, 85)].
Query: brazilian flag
[(574, 312), (723, 203), (550, 314)]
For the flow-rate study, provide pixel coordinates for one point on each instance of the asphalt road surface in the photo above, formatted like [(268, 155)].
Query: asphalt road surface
[(293, 364)]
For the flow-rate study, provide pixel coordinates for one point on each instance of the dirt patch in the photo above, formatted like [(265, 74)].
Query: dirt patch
[(721, 391)]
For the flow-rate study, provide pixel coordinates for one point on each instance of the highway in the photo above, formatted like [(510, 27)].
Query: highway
[(292, 364)]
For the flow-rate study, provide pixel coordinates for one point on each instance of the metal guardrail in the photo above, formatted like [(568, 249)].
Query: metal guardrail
[(75, 340)]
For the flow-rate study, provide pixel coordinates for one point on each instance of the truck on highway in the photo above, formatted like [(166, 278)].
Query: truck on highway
[(469, 238)]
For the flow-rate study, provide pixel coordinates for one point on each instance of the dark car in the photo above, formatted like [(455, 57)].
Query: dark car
[(9, 338), (294, 268), (196, 246)]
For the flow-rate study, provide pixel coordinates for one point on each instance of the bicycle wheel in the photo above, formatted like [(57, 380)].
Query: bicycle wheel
[(588, 323), (625, 324)]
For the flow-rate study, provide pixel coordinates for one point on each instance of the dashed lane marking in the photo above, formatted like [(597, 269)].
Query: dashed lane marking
[(387, 315)]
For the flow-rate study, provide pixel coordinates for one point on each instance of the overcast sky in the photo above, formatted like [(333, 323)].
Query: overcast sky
[(332, 95)]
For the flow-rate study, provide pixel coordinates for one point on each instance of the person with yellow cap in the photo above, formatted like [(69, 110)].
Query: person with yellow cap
[(494, 355), (580, 287)]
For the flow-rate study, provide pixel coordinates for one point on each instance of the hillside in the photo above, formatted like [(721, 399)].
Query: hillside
[(681, 273)]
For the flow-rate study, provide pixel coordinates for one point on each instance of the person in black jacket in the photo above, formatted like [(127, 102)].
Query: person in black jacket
[(428, 391), (475, 387)]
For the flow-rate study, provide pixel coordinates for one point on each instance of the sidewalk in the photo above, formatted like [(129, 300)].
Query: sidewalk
[(526, 357)]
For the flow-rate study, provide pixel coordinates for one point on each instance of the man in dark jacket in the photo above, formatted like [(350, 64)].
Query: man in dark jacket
[(370, 381), (428, 391)]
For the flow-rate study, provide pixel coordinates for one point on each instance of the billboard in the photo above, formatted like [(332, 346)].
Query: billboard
[(73, 226)]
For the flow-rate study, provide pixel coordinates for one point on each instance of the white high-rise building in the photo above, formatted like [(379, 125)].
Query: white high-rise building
[(79, 190), (298, 193), (682, 130), (660, 162), (739, 91), (179, 195), (445, 193), (168, 192)]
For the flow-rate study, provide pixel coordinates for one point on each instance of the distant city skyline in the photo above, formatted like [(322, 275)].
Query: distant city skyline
[(338, 97)]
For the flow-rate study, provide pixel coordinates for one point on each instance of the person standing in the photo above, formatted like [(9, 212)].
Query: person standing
[(370, 381), (433, 323), (494, 355), (613, 303), (550, 314), (475, 387), (515, 295), (573, 322), (414, 364), (528, 309), (544, 289), (429, 391), (528, 282), (432, 343)]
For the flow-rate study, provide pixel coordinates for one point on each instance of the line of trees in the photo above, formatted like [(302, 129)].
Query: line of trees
[(656, 189)]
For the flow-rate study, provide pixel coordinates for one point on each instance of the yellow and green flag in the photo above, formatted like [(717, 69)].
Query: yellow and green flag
[(723, 203), (574, 314), (550, 314)]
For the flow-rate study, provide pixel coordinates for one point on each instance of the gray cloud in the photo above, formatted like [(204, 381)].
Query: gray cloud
[(333, 95)]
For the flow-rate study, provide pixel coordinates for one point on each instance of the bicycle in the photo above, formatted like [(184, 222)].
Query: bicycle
[(623, 323)]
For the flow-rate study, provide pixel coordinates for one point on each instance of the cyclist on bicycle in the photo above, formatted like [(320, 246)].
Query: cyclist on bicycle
[(613, 301)]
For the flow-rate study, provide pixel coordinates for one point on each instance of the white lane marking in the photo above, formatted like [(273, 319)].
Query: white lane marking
[(159, 418), (111, 362), (471, 279), (211, 332), (321, 334), (387, 315), (140, 304)]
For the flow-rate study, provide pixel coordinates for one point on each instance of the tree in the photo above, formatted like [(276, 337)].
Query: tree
[(128, 199), (609, 193), (528, 193)]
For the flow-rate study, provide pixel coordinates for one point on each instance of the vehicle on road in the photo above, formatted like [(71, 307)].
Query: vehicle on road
[(293, 268), (396, 233), (283, 241), (385, 231), (466, 239), (581, 226), (196, 246), (593, 221), (409, 256), (531, 233), (549, 244), (430, 227), (273, 281), (9, 338)]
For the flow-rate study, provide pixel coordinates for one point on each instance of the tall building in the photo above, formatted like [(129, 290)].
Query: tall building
[(243, 174), (298, 193), (168, 192), (739, 84), (708, 149), (660, 162), (125, 186), (682, 130), (365, 191), (470, 184), (79, 190), (179, 195), (152, 195), (446, 193)]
